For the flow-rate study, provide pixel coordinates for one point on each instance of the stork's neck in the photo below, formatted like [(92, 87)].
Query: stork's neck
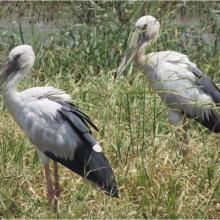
[(10, 94), (140, 56)]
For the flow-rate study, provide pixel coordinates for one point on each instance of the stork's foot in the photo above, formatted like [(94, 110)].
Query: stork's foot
[(55, 205)]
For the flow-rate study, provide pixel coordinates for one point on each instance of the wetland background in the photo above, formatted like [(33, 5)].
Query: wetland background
[(78, 46)]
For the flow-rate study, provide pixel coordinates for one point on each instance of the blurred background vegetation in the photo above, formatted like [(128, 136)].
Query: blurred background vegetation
[(78, 46)]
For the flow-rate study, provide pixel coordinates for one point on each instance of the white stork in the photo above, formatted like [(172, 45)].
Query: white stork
[(185, 89), (54, 126)]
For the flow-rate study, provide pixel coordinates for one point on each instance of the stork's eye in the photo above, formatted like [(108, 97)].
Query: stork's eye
[(144, 27), (143, 34), (16, 58), (13, 64)]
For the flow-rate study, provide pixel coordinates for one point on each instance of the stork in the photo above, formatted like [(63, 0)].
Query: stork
[(182, 86), (55, 126)]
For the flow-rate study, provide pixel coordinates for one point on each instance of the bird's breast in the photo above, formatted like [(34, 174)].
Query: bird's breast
[(48, 134), (175, 85)]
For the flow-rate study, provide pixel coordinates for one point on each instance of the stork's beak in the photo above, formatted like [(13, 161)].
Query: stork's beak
[(5, 68), (138, 37), (129, 53), (8, 68)]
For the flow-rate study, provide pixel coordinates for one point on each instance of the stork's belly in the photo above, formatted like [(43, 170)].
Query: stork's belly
[(182, 93), (48, 135), (176, 85)]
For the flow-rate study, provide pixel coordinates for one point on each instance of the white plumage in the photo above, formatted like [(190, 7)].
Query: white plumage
[(171, 76), (55, 126), (180, 84), (36, 114)]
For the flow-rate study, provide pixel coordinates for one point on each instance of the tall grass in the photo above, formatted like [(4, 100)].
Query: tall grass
[(79, 51)]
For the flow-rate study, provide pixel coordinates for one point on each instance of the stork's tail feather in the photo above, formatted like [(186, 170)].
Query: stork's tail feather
[(93, 166), (210, 121)]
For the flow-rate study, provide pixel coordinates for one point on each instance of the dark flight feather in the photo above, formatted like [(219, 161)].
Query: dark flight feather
[(207, 85), (70, 107), (210, 121), (92, 166), (86, 162)]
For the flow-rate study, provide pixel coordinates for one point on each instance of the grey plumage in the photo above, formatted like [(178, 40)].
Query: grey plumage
[(55, 126), (184, 88)]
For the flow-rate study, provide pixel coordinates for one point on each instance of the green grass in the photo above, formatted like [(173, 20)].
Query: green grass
[(154, 181)]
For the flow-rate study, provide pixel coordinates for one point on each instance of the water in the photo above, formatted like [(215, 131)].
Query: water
[(41, 31)]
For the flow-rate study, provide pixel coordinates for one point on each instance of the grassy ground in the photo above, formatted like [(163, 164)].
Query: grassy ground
[(79, 54)]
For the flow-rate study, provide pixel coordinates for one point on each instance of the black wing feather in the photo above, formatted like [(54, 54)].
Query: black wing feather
[(210, 88), (91, 165), (83, 116), (70, 107), (210, 121), (78, 125), (86, 161), (207, 85)]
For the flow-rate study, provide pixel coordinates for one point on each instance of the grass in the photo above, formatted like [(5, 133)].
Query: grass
[(80, 57)]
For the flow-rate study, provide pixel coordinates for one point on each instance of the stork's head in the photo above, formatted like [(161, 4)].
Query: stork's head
[(20, 62), (148, 28), (146, 31)]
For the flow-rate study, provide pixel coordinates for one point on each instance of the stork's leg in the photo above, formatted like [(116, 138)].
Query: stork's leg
[(56, 185), (50, 191), (181, 134), (178, 120)]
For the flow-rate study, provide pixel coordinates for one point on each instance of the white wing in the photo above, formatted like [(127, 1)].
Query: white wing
[(182, 86), (39, 116), (50, 92), (173, 78)]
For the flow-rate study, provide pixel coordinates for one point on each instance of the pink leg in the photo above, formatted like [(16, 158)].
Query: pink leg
[(57, 186), (181, 134), (50, 191), (179, 122)]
